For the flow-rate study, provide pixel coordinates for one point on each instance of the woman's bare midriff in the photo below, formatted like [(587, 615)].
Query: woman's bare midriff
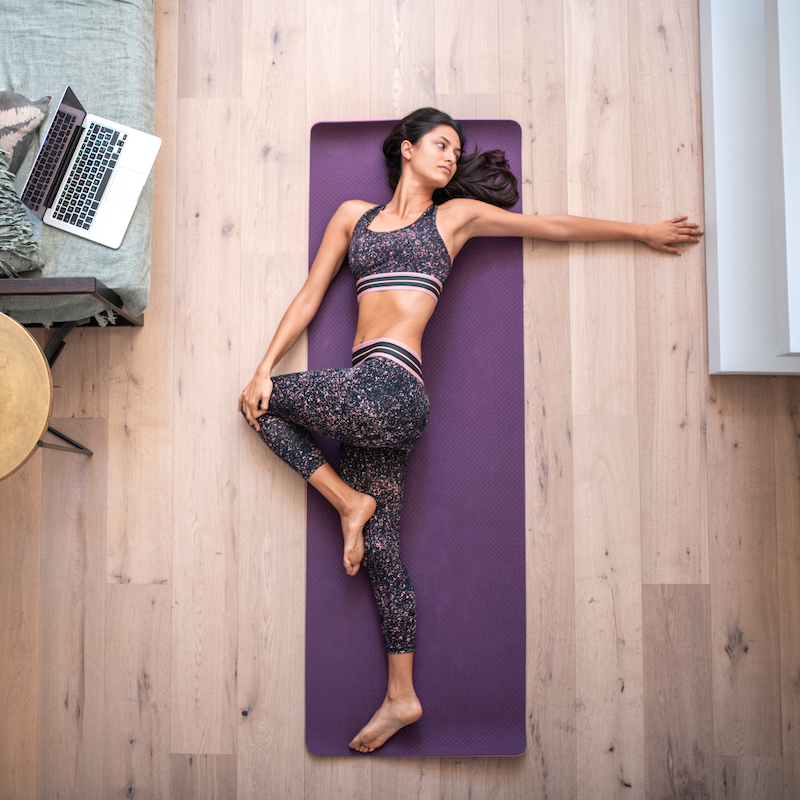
[(398, 314)]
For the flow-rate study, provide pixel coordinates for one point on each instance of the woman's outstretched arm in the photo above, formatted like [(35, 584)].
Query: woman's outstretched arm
[(482, 219), (255, 396)]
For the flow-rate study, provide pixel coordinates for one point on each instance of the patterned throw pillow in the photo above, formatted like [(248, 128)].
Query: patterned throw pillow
[(18, 251), (19, 119)]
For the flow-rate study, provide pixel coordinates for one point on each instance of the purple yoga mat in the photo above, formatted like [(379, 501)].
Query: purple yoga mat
[(463, 528)]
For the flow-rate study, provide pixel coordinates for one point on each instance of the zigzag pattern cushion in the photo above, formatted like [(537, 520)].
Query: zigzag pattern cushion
[(19, 119)]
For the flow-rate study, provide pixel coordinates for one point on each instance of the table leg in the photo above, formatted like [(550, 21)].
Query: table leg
[(76, 447)]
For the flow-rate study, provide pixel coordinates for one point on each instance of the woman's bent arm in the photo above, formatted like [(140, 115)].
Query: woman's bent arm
[(482, 219), (255, 397)]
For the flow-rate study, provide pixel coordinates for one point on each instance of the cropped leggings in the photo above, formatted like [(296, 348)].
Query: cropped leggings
[(377, 410)]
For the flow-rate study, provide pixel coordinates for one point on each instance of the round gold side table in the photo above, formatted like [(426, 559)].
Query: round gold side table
[(26, 395), (26, 398)]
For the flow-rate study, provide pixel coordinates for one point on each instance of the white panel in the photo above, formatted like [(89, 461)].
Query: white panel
[(782, 21), (739, 253)]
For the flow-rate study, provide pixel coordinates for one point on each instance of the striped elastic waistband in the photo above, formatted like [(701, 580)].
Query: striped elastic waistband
[(384, 281), (394, 351)]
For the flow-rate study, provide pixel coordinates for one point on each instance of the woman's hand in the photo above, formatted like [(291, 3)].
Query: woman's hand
[(659, 235), (255, 398)]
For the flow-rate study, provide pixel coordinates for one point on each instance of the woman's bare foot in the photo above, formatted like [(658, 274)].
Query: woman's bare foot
[(354, 517), (387, 720)]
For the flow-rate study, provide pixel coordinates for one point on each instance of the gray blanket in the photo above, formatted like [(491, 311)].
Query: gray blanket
[(104, 50)]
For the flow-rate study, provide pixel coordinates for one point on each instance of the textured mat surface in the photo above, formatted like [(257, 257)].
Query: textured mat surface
[(463, 528)]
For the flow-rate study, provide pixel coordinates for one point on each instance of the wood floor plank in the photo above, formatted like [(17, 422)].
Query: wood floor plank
[(141, 366), (337, 65), (532, 34), (400, 778), (203, 777), (137, 685), (470, 106), (72, 616), (597, 85), (402, 57), (550, 543), (533, 92), (787, 505), (476, 778), (678, 707), (210, 48), (327, 778), (608, 608), (274, 181), (80, 375), (744, 569), (603, 340), (602, 286), (139, 547), (271, 521), (20, 532), (205, 484), (271, 652), (670, 296), (467, 47), (749, 779)]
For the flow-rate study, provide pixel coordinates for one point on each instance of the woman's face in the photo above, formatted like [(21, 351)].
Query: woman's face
[(434, 157)]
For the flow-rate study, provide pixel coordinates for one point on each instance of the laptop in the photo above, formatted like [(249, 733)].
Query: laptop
[(89, 173)]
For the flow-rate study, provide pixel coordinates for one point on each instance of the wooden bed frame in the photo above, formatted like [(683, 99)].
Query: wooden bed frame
[(69, 286)]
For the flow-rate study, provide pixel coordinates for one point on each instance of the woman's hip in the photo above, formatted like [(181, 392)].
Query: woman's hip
[(379, 402)]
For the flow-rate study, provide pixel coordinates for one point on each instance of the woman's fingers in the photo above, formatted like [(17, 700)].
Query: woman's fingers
[(678, 229), (246, 405), (254, 401), (682, 225), (249, 416)]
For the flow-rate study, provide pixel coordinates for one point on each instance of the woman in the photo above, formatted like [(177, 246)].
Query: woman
[(401, 254)]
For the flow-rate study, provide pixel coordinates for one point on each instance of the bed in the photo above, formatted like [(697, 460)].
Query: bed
[(104, 50)]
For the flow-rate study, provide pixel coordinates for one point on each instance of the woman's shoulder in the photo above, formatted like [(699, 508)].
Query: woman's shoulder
[(350, 212), (354, 208)]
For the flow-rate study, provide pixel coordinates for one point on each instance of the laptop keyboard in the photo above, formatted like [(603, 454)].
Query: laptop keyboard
[(57, 139), (89, 176)]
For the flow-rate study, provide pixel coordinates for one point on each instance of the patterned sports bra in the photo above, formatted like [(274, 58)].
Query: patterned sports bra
[(414, 257)]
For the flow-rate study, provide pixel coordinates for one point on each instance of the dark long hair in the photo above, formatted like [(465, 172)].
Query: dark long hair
[(481, 176)]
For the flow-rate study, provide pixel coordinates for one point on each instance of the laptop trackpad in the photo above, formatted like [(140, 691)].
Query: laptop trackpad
[(124, 188), (117, 207)]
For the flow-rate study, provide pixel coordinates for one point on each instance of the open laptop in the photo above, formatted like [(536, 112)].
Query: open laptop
[(89, 173)]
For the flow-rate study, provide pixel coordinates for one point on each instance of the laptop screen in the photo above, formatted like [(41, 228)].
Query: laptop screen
[(54, 154)]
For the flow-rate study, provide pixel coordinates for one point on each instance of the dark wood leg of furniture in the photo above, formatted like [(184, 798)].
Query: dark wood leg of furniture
[(76, 447), (51, 354), (56, 344)]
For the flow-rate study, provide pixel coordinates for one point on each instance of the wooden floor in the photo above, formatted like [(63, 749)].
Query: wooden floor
[(151, 636)]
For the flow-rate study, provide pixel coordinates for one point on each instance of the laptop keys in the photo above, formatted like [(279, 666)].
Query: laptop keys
[(89, 177)]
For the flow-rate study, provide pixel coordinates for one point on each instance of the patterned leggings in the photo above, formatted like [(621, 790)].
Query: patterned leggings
[(377, 410)]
